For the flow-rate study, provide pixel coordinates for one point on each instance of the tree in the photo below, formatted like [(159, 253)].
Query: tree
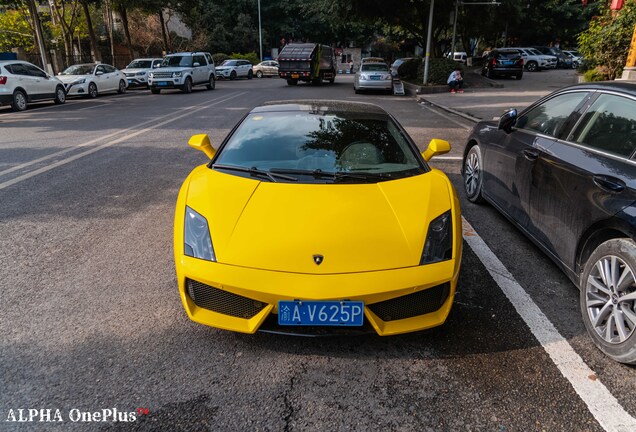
[(15, 31)]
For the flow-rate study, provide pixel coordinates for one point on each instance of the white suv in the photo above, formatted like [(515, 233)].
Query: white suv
[(183, 71), (534, 60), (22, 82), (235, 69), (137, 71)]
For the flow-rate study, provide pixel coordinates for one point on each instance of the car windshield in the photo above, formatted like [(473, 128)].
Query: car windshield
[(322, 147), (140, 64), (85, 69), (374, 68), (177, 61), (535, 52), (509, 54), (229, 63)]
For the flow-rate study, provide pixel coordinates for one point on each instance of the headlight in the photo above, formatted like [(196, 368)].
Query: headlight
[(364, 76), (439, 240), (176, 74), (79, 81), (141, 73), (197, 241), (150, 74), (386, 77)]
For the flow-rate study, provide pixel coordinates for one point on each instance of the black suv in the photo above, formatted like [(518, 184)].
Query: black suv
[(503, 62)]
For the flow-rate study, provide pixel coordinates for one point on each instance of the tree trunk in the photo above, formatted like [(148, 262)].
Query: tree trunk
[(164, 34), (124, 22), (108, 12), (95, 54)]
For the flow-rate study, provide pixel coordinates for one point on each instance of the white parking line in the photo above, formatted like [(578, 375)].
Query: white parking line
[(93, 141), (111, 143), (601, 403)]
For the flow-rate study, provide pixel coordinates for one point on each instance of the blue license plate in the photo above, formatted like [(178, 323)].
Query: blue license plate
[(375, 77), (162, 83), (129, 81), (320, 313), (507, 62)]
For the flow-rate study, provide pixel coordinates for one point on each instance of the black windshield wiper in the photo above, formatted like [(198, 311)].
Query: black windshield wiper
[(255, 171), (318, 173)]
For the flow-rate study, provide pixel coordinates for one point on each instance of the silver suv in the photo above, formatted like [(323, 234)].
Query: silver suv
[(22, 83), (183, 71)]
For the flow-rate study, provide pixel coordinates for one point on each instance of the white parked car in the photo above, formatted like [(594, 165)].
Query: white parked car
[(577, 58), (91, 79), (535, 60), (22, 83), (233, 69), (268, 68), (137, 71), (183, 71), (373, 76), (458, 56)]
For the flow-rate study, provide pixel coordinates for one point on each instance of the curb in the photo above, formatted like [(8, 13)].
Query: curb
[(451, 110)]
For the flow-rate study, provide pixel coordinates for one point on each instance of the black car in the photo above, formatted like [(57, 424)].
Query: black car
[(563, 60), (564, 172), (503, 62)]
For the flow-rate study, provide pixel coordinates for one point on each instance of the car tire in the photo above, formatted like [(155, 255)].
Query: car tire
[(60, 95), (122, 87), (473, 175), (519, 75), (250, 75), (532, 66), (211, 83), (19, 101), (601, 302), (259, 74), (155, 90), (187, 86), (92, 91), (292, 82), (232, 75)]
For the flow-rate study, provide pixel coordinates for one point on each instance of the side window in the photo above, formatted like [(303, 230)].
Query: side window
[(199, 59), (100, 68), (156, 63), (209, 58), (34, 71), (18, 69), (550, 117), (609, 125), (109, 69)]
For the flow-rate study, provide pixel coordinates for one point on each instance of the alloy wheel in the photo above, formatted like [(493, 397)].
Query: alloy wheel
[(472, 173), (610, 299)]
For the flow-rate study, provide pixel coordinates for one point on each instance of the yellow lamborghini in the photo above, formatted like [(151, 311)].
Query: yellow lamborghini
[(317, 217)]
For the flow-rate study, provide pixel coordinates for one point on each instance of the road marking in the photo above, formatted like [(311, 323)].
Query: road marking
[(447, 117), (111, 143), (601, 403), (93, 141), (447, 158)]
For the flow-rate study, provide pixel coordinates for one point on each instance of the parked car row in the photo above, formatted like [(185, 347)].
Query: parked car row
[(22, 83)]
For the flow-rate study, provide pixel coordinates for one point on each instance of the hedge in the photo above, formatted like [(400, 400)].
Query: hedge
[(438, 70)]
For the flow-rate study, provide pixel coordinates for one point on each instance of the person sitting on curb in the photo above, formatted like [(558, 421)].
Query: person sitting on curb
[(455, 81)]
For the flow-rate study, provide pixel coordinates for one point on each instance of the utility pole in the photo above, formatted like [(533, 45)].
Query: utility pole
[(454, 28), (33, 10), (428, 42), (260, 31)]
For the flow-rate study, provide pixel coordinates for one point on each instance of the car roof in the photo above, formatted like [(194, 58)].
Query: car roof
[(15, 61), (626, 87), (321, 106), (374, 63)]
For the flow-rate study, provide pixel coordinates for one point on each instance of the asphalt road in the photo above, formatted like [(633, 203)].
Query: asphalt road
[(91, 318)]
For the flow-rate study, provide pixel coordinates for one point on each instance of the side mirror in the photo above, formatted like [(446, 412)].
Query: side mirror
[(435, 148), (202, 142), (99, 73), (508, 120), (196, 64)]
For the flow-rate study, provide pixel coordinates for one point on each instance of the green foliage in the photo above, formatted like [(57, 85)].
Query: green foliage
[(438, 70), (606, 41), (251, 56), (15, 31), (595, 74), (219, 58), (408, 69)]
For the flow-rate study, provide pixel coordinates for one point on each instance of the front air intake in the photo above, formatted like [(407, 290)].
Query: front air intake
[(224, 302)]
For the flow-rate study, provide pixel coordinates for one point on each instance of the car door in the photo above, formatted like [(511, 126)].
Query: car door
[(511, 156), (43, 86), (113, 77), (200, 70), (586, 177), (100, 79), (25, 80)]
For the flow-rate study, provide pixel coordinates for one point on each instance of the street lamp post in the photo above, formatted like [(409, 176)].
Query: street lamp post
[(260, 32), (428, 42)]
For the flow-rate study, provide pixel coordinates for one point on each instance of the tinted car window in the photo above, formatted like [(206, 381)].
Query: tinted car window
[(34, 71), (200, 59), (508, 55), (336, 142), (374, 68), (17, 69), (609, 125), (109, 69), (550, 117), (177, 61), (139, 64), (156, 63)]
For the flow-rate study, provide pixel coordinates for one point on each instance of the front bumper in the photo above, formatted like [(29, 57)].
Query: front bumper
[(137, 82), (375, 84), (166, 83), (76, 89), (243, 298), (223, 73)]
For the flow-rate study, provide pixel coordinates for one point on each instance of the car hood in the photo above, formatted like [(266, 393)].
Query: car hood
[(281, 226), (224, 67), (70, 78), (171, 69), (135, 70)]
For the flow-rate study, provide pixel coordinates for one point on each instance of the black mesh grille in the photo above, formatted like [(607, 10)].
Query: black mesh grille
[(411, 305), (217, 300)]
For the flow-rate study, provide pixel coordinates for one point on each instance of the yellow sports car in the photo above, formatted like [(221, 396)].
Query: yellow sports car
[(317, 217)]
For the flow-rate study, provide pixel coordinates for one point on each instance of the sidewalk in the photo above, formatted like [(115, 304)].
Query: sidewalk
[(487, 103)]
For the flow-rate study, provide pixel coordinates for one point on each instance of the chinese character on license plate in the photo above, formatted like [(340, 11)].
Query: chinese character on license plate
[(320, 313)]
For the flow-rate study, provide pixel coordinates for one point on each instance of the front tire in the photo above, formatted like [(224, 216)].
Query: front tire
[(259, 74), (19, 101), (211, 83), (608, 299), (250, 75), (532, 66), (92, 91), (232, 75), (187, 86), (60, 95), (122, 87), (473, 175)]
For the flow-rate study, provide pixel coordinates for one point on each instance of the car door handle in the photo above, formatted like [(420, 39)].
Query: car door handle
[(531, 155), (609, 184)]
